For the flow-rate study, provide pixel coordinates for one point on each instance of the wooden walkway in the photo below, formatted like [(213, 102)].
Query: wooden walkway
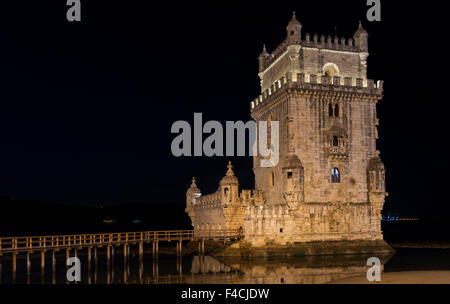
[(79, 241), (15, 246)]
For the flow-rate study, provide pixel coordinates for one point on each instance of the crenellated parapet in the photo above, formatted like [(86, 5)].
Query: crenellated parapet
[(330, 43), (319, 83), (321, 42), (251, 198), (213, 200)]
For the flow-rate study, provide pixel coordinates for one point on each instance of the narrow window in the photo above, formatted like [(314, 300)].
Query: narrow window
[(289, 174), (330, 110), (273, 179), (336, 110), (281, 230), (292, 33), (335, 176), (225, 191), (335, 142)]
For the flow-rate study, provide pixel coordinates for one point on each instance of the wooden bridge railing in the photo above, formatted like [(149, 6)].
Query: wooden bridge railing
[(51, 242)]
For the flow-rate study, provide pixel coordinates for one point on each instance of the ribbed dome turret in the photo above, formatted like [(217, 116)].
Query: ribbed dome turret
[(229, 178), (193, 188)]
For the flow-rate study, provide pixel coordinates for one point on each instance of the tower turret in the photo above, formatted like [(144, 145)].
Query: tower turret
[(192, 194), (361, 39), (262, 58), (229, 186), (294, 30), (293, 193), (376, 174)]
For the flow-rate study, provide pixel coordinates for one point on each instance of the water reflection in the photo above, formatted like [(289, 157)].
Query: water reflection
[(195, 269)]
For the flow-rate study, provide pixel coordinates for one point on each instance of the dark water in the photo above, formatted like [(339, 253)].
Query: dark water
[(196, 269)]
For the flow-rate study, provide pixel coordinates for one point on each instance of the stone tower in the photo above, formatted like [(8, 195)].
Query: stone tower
[(329, 183)]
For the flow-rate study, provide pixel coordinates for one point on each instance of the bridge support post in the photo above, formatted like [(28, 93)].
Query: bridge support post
[(14, 267), (53, 267), (67, 256), (141, 252), (108, 256), (112, 254), (141, 271), (155, 249), (141, 260), (95, 256), (42, 262), (125, 264), (53, 261), (125, 254), (28, 265), (179, 248), (179, 265), (155, 270), (89, 254)]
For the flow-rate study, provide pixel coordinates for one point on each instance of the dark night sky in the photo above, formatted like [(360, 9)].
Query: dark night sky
[(86, 108)]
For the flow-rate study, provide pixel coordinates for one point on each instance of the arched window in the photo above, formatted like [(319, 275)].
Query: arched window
[(335, 176), (330, 70), (330, 110), (336, 110), (335, 141)]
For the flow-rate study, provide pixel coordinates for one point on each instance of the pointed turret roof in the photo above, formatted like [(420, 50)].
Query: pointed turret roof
[(360, 30), (193, 188), (229, 178), (294, 20), (264, 52)]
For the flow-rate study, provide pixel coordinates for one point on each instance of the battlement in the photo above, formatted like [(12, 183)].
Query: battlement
[(335, 43), (315, 41), (313, 82), (251, 197), (212, 200)]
